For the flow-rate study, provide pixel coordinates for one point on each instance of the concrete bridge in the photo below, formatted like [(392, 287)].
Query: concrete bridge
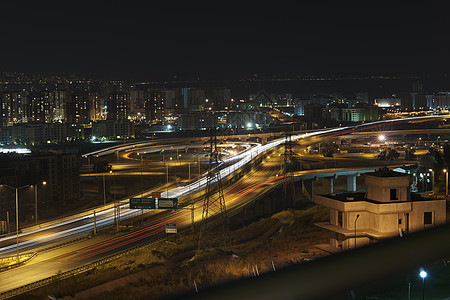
[(309, 177)]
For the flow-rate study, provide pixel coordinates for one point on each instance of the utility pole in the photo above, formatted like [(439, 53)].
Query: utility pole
[(214, 202), (36, 201), (288, 173), (17, 222), (95, 224), (104, 190), (192, 201), (7, 220), (35, 204)]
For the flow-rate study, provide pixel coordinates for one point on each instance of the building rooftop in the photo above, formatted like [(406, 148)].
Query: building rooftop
[(386, 172)]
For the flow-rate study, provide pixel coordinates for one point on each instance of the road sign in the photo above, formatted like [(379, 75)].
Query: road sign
[(156, 194), (142, 203), (167, 203), (171, 228)]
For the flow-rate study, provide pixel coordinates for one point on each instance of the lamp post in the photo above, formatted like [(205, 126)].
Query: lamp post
[(141, 187), (17, 213), (142, 167), (432, 179), (167, 180), (36, 200), (423, 274), (357, 216), (446, 181), (104, 190), (116, 210)]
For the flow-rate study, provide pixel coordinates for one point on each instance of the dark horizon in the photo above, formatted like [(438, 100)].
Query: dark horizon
[(186, 41)]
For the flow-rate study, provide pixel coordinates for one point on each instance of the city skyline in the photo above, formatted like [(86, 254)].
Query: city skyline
[(197, 41)]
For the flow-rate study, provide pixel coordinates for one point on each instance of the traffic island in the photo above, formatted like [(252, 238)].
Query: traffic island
[(7, 263)]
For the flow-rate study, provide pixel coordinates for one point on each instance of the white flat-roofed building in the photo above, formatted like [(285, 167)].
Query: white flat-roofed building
[(386, 209)]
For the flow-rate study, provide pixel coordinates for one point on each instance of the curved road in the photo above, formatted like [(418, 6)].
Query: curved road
[(237, 195)]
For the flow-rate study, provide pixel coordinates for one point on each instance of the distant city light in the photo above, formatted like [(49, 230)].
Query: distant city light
[(15, 150), (381, 137)]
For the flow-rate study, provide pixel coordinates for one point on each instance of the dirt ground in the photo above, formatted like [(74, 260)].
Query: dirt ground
[(171, 268)]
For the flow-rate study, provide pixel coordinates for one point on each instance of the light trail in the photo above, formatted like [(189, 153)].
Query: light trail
[(239, 160)]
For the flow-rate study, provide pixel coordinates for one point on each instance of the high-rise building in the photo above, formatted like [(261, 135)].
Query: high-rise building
[(61, 172), (299, 105), (201, 120), (283, 99), (170, 99), (11, 108), (221, 98), (362, 97), (442, 100), (155, 107), (95, 107), (314, 111), (78, 110), (138, 98), (196, 99), (260, 99), (59, 98), (41, 107), (117, 106)]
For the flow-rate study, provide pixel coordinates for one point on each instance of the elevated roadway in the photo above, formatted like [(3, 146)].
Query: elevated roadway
[(238, 195)]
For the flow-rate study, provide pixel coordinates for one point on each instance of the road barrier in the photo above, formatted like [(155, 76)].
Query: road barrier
[(28, 257), (63, 275)]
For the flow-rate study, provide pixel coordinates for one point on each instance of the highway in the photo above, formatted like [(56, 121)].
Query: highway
[(237, 195), (248, 188)]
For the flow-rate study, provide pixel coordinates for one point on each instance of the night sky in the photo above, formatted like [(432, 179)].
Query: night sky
[(224, 40)]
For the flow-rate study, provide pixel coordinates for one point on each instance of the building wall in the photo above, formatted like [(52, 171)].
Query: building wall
[(438, 209), (379, 215), (379, 188), (112, 129)]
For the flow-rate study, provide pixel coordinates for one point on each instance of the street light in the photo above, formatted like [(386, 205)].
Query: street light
[(104, 188), (36, 200), (432, 179), (142, 167), (446, 181), (17, 212), (423, 274), (357, 216)]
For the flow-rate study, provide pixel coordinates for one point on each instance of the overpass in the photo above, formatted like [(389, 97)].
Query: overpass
[(235, 164), (239, 197)]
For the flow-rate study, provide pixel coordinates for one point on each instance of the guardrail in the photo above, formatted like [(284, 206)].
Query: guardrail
[(63, 275), (28, 256)]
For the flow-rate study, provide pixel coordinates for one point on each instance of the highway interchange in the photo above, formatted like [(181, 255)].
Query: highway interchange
[(240, 193)]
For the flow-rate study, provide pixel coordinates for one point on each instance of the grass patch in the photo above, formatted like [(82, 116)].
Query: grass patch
[(169, 268)]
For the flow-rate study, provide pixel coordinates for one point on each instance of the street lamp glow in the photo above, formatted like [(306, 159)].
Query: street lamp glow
[(381, 137), (423, 274), (249, 124)]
